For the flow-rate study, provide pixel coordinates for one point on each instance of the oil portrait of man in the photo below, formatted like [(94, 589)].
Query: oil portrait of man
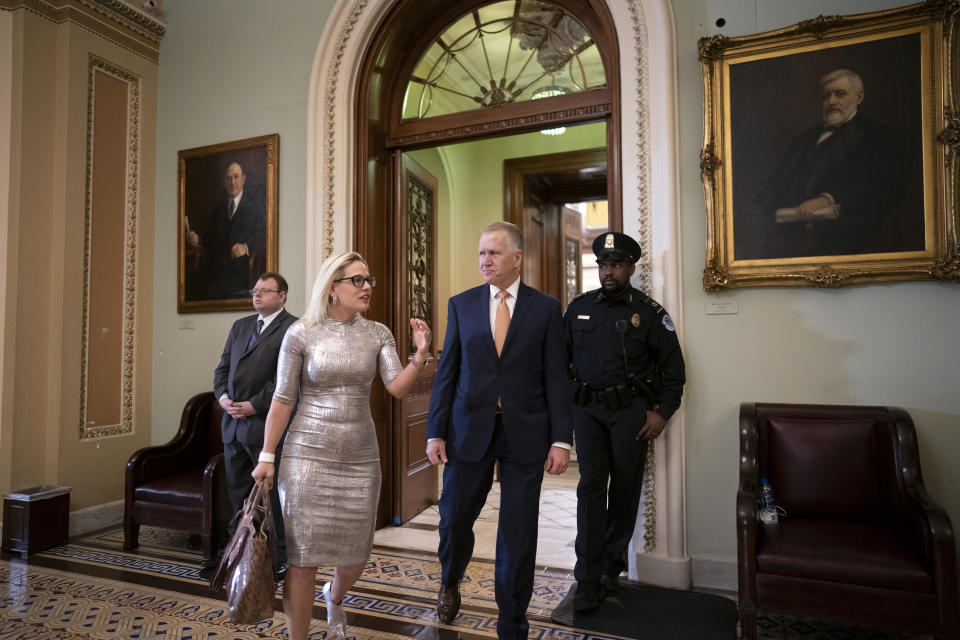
[(827, 153), (225, 223)]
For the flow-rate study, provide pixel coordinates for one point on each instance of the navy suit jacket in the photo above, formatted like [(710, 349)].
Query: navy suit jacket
[(250, 374), (529, 378)]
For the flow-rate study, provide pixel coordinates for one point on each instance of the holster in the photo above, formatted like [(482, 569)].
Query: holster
[(581, 394)]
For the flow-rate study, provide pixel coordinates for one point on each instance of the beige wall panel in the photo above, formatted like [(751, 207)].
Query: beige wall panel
[(41, 376), (104, 370), (32, 409), (94, 466), (9, 146)]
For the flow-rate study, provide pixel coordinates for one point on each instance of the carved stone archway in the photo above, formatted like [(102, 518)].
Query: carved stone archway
[(650, 187)]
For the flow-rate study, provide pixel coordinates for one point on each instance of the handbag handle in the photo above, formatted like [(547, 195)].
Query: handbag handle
[(258, 498)]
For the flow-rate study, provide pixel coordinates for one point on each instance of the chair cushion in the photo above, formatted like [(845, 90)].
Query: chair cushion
[(824, 468), (834, 551), (181, 489)]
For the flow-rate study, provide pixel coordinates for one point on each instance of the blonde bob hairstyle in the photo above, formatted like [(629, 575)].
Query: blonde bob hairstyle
[(332, 269)]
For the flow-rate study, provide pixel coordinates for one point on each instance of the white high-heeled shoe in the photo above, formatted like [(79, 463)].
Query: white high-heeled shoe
[(336, 616)]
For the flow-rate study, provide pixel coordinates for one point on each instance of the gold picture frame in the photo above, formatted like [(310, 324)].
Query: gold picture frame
[(815, 176), (227, 215)]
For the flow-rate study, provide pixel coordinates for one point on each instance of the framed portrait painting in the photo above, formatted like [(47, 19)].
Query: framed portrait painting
[(227, 233), (829, 148)]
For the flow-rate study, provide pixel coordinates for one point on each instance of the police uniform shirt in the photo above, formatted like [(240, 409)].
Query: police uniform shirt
[(650, 339)]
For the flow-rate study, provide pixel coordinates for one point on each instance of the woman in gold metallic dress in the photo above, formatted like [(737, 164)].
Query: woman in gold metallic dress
[(329, 481)]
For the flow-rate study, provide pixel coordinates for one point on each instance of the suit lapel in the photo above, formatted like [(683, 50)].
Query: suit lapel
[(270, 328), (273, 326), (483, 316), (519, 311), (244, 337)]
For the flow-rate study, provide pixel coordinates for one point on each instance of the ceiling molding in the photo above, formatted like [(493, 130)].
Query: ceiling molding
[(118, 21)]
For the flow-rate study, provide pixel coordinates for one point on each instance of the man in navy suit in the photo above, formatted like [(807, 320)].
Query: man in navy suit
[(237, 231), (244, 382), (501, 393)]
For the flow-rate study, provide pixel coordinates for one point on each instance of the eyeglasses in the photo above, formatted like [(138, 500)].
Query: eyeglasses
[(254, 292), (359, 280)]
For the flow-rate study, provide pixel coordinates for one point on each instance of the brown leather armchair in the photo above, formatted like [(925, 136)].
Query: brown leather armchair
[(181, 485), (862, 540)]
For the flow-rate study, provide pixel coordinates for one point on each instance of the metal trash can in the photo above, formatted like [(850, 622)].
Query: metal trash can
[(36, 518)]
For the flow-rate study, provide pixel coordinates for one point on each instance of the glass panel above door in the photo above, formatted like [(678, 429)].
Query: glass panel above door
[(501, 53)]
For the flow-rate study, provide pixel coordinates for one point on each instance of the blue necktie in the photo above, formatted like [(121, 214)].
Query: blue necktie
[(256, 332)]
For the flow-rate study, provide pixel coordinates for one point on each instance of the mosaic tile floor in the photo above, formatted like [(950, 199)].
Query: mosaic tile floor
[(92, 588), (92, 581), (48, 604)]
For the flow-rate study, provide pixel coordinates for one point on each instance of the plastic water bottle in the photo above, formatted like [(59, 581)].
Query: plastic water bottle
[(768, 508)]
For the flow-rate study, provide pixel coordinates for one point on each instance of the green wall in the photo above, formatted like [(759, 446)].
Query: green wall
[(471, 196)]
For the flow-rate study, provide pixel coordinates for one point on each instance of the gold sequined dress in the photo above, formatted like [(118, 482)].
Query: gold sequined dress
[(329, 475)]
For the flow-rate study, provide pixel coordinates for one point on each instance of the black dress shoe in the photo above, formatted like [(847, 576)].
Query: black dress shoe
[(588, 596), (280, 572), (610, 583), (448, 603)]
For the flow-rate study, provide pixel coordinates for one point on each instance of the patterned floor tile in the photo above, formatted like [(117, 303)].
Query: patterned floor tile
[(397, 591), (52, 604)]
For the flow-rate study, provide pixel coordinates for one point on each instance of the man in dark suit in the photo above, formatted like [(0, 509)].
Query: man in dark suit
[(237, 231), (244, 382), (501, 393), (838, 189)]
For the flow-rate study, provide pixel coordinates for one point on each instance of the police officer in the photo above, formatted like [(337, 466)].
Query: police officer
[(628, 377)]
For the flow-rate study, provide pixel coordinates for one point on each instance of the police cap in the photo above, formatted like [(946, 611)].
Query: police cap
[(616, 246)]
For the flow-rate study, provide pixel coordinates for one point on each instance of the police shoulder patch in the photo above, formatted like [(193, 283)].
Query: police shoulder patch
[(653, 304), (667, 322)]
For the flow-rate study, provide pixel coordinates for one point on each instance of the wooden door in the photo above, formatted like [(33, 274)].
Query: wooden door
[(571, 232), (539, 239), (535, 189), (415, 480)]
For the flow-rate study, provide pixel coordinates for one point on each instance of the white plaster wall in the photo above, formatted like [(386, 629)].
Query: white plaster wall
[(229, 69), (881, 344)]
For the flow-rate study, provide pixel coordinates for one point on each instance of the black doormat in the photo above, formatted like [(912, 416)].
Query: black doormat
[(655, 613)]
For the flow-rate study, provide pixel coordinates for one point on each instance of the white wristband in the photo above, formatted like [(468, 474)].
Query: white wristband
[(267, 457)]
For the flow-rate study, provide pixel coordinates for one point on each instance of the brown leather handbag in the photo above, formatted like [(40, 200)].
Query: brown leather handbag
[(247, 563)]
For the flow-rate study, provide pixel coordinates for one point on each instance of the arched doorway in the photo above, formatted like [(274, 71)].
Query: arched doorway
[(343, 174), (404, 79)]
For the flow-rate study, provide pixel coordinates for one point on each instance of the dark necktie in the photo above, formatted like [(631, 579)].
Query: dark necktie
[(256, 332), (231, 207)]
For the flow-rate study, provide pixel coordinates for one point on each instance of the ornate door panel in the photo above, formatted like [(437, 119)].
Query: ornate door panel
[(570, 234), (416, 479)]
